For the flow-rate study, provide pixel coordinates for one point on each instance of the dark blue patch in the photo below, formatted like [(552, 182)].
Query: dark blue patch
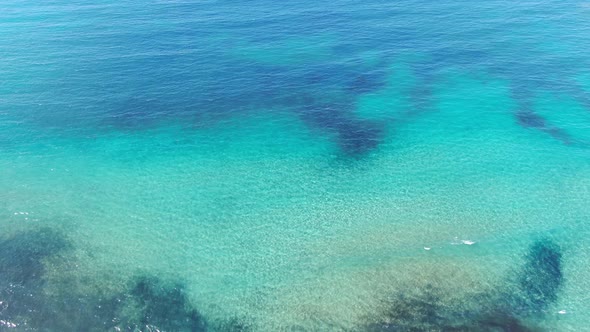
[(164, 306), (355, 137), (149, 304), (499, 322), (22, 273), (72, 310), (506, 308), (541, 277), (431, 309), (21, 256), (530, 119), (231, 325), (525, 116), (366, 82)]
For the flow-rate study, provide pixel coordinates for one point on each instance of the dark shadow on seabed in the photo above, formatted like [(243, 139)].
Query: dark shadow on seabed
[(148, 303), (355, 137), (515, 306)]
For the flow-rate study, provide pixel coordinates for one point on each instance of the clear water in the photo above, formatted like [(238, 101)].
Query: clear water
[(267, 166)]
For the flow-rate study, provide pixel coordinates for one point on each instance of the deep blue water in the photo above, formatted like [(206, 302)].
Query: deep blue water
[(301, 166)]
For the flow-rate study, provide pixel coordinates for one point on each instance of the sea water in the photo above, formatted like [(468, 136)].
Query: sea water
[(194, 165)]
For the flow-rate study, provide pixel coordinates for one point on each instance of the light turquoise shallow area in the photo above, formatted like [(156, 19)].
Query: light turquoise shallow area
[(267, 222)]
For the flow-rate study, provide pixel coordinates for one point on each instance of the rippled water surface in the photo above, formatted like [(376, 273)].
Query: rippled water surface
[(203, 165)]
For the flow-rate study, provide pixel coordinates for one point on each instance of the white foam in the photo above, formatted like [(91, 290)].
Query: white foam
[(7, 323)]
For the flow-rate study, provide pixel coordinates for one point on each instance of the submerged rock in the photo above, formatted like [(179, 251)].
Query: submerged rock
[(355, 137), (21, 256), (148, 304), (507, 307), (541, 277), (22, 273), (530, 119), (163, 306)]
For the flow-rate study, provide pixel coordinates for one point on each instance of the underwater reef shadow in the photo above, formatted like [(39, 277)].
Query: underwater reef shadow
[(145, 303), (22, 273), (355, 137), (527, 118), (513, 306)]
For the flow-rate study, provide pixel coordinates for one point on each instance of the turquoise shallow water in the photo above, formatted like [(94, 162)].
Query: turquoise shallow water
[(233, 166)]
